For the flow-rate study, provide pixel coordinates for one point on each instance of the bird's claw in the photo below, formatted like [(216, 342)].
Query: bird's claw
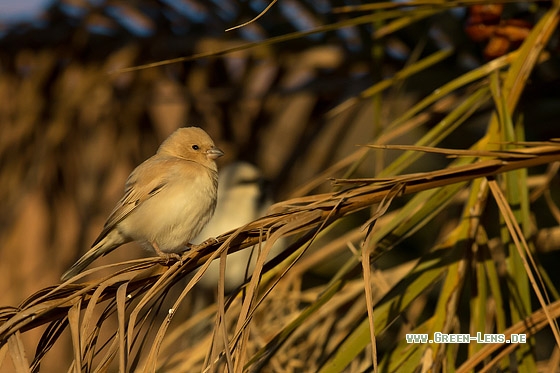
[(168, 256), (178, 257)]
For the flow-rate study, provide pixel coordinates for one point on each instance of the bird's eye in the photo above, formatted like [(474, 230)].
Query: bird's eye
[(195, 147)]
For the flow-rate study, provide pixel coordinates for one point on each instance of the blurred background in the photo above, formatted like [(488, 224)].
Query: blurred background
[(73, 124)]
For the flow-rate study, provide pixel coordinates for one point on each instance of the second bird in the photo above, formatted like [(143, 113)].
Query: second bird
[(167, 200)]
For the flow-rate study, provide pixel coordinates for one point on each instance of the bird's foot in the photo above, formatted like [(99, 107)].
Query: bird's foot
[(172, 256), (168, 256)]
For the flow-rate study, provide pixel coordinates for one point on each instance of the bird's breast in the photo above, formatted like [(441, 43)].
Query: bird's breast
[(175, 215)]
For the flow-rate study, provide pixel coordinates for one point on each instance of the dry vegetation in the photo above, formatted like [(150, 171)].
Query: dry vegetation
[(454, 230)]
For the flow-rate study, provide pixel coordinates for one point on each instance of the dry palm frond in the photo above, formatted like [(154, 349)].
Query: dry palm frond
[(135, 292)]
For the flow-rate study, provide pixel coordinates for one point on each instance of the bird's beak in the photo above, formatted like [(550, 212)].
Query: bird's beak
[(214, 153)]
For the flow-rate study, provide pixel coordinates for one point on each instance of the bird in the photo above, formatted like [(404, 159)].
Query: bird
[(243, 196), (167, 201)]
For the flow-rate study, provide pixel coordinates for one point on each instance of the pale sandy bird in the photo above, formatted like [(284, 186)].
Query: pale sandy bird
[(242, 198), (168, 199)]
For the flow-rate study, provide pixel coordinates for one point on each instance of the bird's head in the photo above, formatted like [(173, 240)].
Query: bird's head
[(193, 144)]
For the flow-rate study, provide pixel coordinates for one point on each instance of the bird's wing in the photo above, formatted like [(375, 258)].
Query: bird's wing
[(144, 182)]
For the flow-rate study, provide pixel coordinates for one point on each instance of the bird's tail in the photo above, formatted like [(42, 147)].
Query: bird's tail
[(99, 249)]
